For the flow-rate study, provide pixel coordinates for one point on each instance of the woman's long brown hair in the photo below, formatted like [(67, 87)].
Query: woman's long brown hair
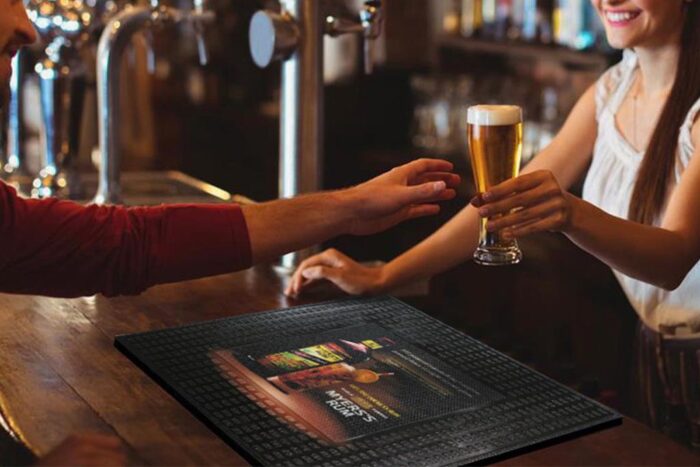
[(655, 172)]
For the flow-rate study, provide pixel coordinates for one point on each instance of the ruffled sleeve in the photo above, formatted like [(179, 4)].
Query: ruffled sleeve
[(610, 81), (686, 147)]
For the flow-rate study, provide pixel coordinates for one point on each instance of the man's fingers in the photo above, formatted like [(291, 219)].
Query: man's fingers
[(452, 180), (423, 193), (422, 210), (445, 195), (421, 166)]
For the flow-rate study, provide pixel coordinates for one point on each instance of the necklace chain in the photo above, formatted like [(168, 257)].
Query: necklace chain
[(635, 98)]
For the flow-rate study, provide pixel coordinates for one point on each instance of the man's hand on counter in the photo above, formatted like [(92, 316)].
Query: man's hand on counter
[(406, 192), (86, 450)]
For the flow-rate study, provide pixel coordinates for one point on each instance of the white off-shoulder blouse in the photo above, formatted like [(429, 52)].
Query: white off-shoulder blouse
[(609, 185)]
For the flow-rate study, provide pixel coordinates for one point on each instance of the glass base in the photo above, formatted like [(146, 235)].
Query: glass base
[(498, 256)]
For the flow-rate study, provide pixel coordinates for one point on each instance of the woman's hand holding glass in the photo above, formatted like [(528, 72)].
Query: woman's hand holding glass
[(531, 203)]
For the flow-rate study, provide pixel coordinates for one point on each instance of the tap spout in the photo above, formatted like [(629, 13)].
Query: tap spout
[(114, 40), (15, 153)]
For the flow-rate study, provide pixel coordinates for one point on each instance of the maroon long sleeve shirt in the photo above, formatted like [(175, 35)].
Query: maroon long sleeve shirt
[(60, 248)]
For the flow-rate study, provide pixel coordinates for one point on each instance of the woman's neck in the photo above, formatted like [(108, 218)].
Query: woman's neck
[(658, 68)]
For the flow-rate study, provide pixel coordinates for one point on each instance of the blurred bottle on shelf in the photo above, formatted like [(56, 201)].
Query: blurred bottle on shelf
[(439, 113), (537, 21), (503, 14), (451, 18), (517, 19), (550, 120), (471, 18), (570, 23), (575, 24), (489, 18)]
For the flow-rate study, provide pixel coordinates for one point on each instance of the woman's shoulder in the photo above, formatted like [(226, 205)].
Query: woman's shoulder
[(611, 79), (690, 133), (695, 127), (618, 71)]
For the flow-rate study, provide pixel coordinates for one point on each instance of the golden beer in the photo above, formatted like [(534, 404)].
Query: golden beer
[(495, 135)]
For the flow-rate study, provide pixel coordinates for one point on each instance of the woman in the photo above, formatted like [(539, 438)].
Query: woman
[(641, 199)]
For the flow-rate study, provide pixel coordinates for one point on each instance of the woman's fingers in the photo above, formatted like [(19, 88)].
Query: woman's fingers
[(549, 207), (542, 225), (316, 273), (514, 185), (330, 258), (524, 199)]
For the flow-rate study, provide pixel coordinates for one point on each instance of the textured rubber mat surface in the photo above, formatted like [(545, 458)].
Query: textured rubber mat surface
[(358, 382)]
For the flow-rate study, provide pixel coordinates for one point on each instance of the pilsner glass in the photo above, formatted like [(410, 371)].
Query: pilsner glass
[(495, 135)]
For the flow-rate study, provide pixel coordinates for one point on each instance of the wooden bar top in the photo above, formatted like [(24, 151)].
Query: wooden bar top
[(60, 374)]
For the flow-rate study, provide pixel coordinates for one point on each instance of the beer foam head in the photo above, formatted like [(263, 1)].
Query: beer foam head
[(494, 115)]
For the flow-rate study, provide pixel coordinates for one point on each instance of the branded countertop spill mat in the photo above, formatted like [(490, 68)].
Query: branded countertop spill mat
[(358, 381)]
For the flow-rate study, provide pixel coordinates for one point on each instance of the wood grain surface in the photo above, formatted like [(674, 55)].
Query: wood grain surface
[(61, 374)]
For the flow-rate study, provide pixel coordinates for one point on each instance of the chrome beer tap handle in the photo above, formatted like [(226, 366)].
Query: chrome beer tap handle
[(371, 18), (14, 165), (113, 42), (199, 16), (66, 28), (369, 25)]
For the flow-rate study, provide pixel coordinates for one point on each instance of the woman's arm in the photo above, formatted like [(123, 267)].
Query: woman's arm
[(567, 157), (661, 256)]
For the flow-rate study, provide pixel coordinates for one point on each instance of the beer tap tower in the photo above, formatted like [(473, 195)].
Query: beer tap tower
[(14, 164), (295, 37), (114, 40), (67, 29)]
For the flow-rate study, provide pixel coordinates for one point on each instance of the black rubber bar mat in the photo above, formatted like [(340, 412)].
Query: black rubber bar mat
[(359, 382)]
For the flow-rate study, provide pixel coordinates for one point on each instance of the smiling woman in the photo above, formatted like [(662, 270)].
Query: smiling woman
[(638, 130)]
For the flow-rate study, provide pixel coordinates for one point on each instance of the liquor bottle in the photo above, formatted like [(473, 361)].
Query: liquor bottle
[(537, 21), (585, 37), (471, 18), (451, 17), (517, 19), (489, 18), (562, 23), (574, 24), (503, 14)]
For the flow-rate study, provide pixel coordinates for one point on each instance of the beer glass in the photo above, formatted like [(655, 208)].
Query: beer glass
[(495, 135)]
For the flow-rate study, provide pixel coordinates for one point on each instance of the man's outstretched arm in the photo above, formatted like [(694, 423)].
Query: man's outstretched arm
[(59, 248), (406, 192)]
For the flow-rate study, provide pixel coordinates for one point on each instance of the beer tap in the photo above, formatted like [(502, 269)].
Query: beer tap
[(64, 27), (294, 36), (200, 11), (15, 163), (369, 25), (113, 42), (67, 29)]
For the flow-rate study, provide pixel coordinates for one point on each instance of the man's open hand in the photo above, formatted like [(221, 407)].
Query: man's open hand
[(406, 192)]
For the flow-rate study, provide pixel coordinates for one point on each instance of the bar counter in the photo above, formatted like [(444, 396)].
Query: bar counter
[(61, 374)]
